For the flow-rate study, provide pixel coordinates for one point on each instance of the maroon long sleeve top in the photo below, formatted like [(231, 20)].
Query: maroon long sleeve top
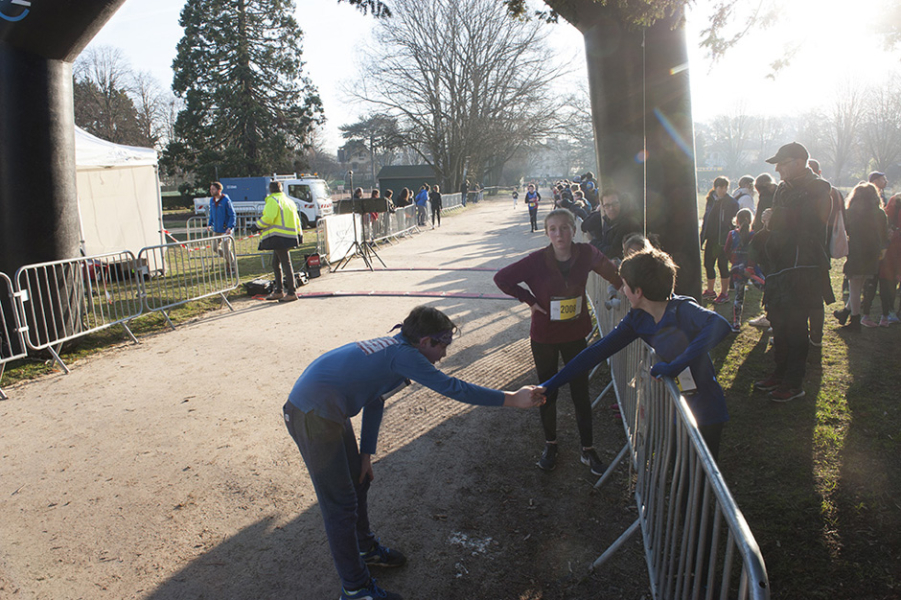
[(538, 278)]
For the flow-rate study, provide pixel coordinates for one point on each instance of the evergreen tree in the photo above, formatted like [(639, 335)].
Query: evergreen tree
[(247, 108)]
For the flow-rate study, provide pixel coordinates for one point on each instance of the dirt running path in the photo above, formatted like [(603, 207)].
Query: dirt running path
[(163, 470)]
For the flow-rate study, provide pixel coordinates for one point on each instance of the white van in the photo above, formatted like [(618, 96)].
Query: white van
[(248, 195)]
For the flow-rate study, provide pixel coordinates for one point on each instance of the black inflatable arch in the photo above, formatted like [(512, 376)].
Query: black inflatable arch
[(39, 39)]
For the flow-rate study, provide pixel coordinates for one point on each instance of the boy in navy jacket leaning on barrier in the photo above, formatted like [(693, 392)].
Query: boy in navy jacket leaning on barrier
[(680, 331)]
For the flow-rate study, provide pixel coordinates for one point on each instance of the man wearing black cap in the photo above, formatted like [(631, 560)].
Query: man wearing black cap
[(798, 280)]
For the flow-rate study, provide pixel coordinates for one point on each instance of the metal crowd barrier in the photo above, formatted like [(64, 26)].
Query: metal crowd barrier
[(246, 242), (66, 299), (192, 270), (388, 226), (697, 543), (451, 202), (12, 342)]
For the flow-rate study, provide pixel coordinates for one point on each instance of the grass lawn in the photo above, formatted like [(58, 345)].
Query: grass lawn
[(819, 478)]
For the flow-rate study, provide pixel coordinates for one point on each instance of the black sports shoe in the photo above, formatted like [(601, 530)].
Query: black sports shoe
[(548, 458), (591, 458), (381, 556), (370, 592)]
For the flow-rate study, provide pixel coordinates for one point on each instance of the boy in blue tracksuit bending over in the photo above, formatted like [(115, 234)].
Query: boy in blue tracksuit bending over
[(680, 331), (337, 386)]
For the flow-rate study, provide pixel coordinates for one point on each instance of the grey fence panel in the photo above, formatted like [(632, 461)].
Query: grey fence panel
[(67, 299), (697, 543), (246, 241), (12, 342), (390, 225), (451, 202), (193, 270)]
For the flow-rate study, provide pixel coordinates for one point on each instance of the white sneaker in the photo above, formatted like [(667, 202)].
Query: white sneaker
[(760, 321)]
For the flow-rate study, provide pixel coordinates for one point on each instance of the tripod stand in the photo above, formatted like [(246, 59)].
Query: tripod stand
[(364, 249)]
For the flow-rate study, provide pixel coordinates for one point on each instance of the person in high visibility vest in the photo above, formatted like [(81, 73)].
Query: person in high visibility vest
[(281, 229)]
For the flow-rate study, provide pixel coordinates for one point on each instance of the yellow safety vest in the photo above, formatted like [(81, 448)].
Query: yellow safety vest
[(279, 218)]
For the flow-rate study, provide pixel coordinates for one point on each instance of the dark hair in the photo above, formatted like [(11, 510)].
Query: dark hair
[(744, 229), (405, 193), (425, 321), (718, 182), (636, 239), (745, 181), (389, 193), (216, 185), (653, 271), (375, 193), (764, 179), (862, 195), (275, 187)]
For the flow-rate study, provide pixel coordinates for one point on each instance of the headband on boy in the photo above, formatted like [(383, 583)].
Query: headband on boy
[(442, 337)]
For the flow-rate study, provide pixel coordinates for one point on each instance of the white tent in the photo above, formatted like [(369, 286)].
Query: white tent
[(119, 199)]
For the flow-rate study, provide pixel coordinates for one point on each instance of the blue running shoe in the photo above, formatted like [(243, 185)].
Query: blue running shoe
[(370, 592), (381, 556)]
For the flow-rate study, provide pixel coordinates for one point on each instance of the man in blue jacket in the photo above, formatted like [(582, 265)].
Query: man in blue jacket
[(359, 377), (221, 220), (422, 199)]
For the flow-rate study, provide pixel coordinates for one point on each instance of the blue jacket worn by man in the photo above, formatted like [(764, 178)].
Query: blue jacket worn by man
[(221, 215)]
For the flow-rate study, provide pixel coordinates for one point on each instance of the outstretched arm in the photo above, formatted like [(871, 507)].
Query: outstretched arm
[(526, 397), (621, 336)]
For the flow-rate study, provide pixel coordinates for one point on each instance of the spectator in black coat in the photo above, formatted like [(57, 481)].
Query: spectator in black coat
[(610, 224)]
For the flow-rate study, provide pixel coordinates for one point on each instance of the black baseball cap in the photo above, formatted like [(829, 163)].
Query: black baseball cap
[(789, 152)]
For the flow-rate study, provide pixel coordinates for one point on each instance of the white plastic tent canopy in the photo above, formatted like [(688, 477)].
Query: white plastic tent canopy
[(119, 199)]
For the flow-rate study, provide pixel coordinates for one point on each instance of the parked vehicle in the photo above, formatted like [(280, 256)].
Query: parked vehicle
[(248, 195)]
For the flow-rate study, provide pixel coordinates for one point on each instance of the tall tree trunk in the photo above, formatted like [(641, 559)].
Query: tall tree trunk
[(641, 100)]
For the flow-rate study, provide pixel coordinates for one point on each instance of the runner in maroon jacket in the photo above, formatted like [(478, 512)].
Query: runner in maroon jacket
[(554, 281)]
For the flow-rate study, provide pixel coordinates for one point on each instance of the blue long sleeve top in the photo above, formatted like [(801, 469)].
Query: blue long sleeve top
[(682, 339), (221, 214), (344, 381)]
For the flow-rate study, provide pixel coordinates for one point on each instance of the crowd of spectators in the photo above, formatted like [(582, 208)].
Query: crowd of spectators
[(779, 237)]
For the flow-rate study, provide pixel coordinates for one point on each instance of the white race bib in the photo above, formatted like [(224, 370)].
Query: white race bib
[(686, 382)]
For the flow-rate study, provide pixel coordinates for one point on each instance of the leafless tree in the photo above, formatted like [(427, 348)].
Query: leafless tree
[(842, 129), (732, 139), (115, 103), (881, 129), (316, 159), (151, 104), (469, 85)]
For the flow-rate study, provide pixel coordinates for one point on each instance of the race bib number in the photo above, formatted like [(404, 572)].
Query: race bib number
[(565, 309), (686, 383)]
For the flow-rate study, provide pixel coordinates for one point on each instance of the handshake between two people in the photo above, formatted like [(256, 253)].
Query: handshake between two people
[(528, 396)]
